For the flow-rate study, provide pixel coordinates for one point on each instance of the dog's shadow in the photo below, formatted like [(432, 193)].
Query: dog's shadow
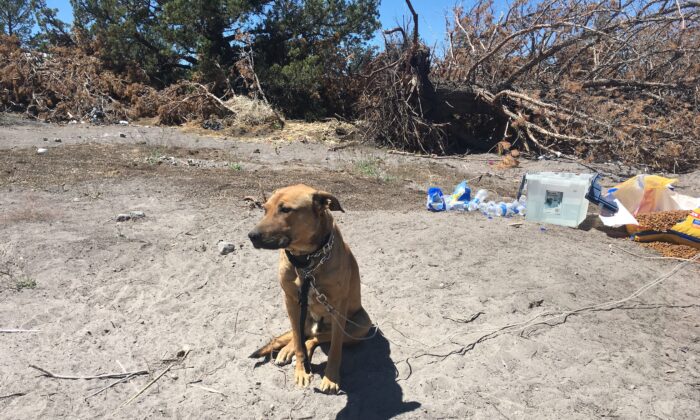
[(369, 380)]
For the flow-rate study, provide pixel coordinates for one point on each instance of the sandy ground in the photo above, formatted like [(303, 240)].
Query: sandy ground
[(108, 297)]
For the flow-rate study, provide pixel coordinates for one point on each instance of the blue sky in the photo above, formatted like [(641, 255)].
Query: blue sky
[(431, 15)]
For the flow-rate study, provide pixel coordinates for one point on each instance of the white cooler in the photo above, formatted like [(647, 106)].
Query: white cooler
[(557, 198)]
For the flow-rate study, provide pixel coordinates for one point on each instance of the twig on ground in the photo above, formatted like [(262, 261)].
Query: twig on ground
[(124, 370), (465, 320), (14, 331), (103, 376), (148, 385), (212, 390), (342, 146), (154, 380), (16, 394), (235, 323), (117, 382)]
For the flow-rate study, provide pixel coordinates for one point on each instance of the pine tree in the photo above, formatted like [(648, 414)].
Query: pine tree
[(17, 18)]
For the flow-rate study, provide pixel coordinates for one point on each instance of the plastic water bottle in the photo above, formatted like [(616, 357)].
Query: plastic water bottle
[(491, 209), (455, 205), (478, 199), (521, 206)]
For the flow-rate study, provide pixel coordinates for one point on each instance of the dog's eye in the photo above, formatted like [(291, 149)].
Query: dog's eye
[(285, 209)]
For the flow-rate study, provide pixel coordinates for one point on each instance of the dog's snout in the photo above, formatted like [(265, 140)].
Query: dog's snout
[(254, 235)]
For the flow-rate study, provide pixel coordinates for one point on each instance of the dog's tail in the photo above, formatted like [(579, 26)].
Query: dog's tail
[(274, 345)]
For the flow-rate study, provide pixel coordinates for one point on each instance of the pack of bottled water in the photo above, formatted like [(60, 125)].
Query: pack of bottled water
[(461, 200)]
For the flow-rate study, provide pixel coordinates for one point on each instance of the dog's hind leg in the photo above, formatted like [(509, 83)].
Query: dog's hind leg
[(285, 355), (356, 328), (276, 344)]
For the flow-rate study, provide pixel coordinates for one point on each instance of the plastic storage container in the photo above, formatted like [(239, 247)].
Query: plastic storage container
[(557, 198)]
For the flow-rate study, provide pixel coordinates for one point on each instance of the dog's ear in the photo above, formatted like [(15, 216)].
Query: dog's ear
[(327, 200)]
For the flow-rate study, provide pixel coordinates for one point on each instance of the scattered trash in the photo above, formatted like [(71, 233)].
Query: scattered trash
[(137, 214), (676, 226), (212, 124), (226, 247), (672, 250), (595, 196), (480, 196), (557, 198), (97, 116), (132, 215), (123, 217), (460, 197), (436, 200), (122, 122), (42, 150), (460, 200), (644, 194)]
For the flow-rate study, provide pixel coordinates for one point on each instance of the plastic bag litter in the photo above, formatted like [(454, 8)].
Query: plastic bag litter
[(436, 200), (458, 200), (643, 194)]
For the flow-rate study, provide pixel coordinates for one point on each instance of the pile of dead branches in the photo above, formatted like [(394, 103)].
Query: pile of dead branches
[(63, 85), (598, 80), (71, 85), (595, 79), (395, 105)]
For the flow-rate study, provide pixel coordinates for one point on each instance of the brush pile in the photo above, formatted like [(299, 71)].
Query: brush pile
[(584, 79), (68, 84)]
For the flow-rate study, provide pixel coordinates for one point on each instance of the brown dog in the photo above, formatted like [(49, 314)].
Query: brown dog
[(298, 221)]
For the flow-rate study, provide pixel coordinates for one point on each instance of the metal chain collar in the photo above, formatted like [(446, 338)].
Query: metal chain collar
[(324, 253)]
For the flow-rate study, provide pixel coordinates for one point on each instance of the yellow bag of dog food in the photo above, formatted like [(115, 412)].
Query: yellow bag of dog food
[(686, 232)]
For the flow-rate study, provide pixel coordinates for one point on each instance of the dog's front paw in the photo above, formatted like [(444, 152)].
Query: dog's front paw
[(329, 387), (302, 378), (285, 355)]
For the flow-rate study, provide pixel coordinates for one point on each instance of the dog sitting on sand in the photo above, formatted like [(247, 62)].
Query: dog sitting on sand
[(318, 274)]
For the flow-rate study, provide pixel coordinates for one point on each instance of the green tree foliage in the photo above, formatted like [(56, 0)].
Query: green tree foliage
[(299, 46), (16, 18), (52, 30), (309, 49)]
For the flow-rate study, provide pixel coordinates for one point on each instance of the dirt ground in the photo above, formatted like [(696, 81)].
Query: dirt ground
[(110, 297)]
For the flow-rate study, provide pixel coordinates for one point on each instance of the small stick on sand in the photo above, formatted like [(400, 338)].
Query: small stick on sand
[(103, 376), (148, 385), (212, 390), (235, 323), (16, 394), (466, 320), (124, 379), (14, 331), (342, 146), (154, 380), (124, 370)]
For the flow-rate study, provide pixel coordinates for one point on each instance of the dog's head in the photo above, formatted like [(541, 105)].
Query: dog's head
[(295, 218)]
